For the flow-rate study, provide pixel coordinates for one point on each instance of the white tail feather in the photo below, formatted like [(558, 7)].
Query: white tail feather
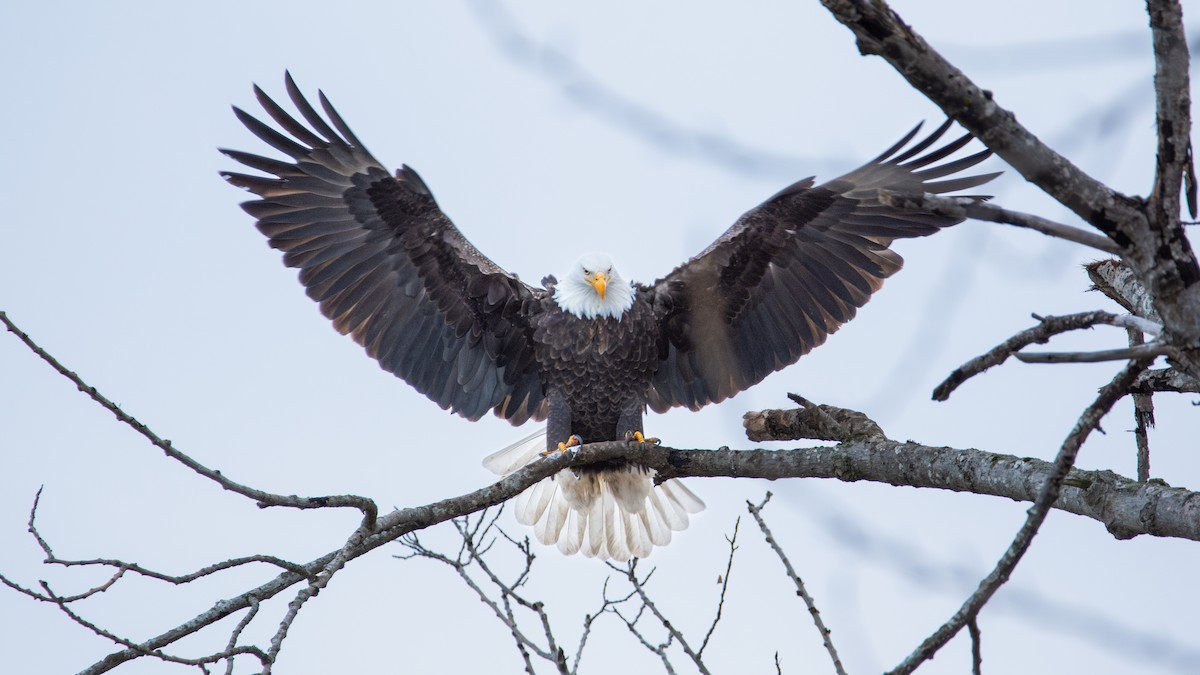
[(611, 515), (532, 503), (517, 455)]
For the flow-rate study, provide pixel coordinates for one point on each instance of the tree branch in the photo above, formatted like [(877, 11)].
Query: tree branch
[(960, 207), (1047, 327), (1126, 508), (1165, 379), (812, 421), (630, 573), (471, 552), (263, 498), (1172, 98), (724, 581), (880, 31), (976, 647), (1047, 495), (1150, 350), (387, 528), (801, 591), (1114, 279), (1151, 238)]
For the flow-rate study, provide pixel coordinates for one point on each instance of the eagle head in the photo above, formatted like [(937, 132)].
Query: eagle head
[(594, 288)]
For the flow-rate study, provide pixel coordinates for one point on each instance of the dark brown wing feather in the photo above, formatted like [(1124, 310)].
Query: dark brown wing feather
[(389, 268), (791, 271)]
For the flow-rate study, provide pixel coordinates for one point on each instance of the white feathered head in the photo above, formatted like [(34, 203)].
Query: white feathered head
[(594, 288)]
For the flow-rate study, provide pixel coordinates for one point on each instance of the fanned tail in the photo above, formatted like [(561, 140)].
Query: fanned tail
[(613, 514)]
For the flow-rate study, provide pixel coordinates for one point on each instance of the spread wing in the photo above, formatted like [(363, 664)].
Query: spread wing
[(793, 270), (389, 268)]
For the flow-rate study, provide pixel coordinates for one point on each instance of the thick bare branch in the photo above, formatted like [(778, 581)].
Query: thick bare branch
[(810, 421), (1151, 239), (1126, 507), (879, 30), (1114, 279), (1165, 379), (1173, 102)]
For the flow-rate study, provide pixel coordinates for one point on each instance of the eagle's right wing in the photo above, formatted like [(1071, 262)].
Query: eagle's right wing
[(792, 270), (389, 268)]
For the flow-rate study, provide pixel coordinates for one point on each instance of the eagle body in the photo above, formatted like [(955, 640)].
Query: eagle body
[(575, 353), (591, 352)]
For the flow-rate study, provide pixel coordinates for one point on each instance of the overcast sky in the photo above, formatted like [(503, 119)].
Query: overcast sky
[(545, 130)]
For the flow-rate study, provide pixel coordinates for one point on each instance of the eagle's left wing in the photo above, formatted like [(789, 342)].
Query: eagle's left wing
[(791, 271), (389, 268)]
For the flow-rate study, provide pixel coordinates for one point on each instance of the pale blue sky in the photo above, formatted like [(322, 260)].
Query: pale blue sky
[(126, 256)]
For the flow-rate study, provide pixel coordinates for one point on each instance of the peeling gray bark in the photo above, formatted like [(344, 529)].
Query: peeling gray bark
[(1124, 506), (1147, 231)]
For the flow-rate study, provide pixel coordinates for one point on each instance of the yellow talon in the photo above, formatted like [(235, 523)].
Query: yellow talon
[(637, 437), (563, 448)]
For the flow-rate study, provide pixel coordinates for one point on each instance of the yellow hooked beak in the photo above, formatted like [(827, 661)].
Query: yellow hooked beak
[(599, 281)]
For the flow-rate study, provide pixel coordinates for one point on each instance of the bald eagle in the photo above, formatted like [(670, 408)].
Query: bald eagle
[(590, 352)]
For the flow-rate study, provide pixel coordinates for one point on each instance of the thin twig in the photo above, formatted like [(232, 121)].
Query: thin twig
[(630, 573), (470, 553), (553, 652), (1148, 350), (142, 648), (660, 650), (237, 633), (1088, 422), (588, 620), (1047, 327), (964, 207), (369, 509), (310, 590), (976, 647), (724, 586), (801, 591)]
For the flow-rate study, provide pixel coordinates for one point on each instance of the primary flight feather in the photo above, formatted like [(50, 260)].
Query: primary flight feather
[(590, 352)]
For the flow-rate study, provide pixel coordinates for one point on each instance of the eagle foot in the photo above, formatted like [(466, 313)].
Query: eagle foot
[(570, 447), (637, 437)]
